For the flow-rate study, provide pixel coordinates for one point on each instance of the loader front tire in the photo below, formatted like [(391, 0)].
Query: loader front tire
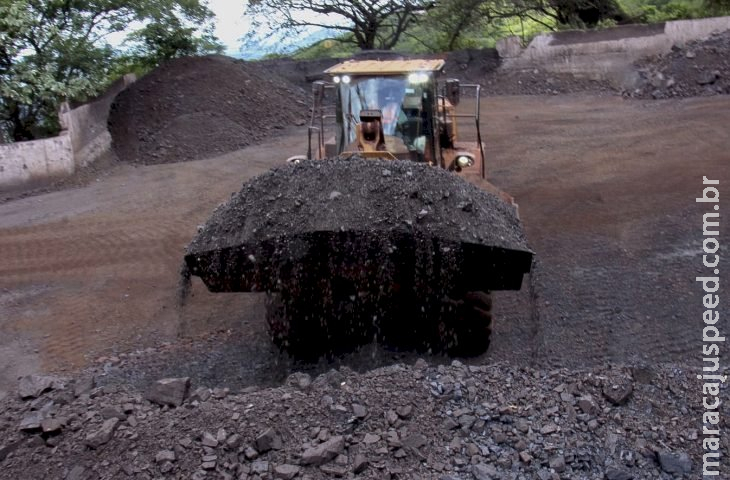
[(466, 325)]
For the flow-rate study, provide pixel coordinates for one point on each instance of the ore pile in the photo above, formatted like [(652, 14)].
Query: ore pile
[(700, 68), (370, 222), (541, 82), (441, 422), (199, 107)]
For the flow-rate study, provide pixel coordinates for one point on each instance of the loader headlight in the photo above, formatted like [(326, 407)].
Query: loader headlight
[(463, 161), (345, 79), (296, 159), (417, 77), (336, 79)]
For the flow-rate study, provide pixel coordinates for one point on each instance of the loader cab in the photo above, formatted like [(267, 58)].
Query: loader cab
[(398, 109), (391, 113)]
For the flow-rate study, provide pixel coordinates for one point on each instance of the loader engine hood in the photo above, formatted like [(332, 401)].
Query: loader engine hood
[(362, 221)]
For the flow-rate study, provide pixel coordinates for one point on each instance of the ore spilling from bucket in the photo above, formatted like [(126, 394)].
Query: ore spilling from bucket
[(370, 232)]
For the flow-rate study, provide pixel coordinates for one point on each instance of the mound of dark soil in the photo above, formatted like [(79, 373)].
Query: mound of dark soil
[(540, 82), (198, 107), (299, 72), (471, 65), (699, 68)]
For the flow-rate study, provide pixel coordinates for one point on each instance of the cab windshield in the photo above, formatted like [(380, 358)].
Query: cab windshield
[(405, 105)]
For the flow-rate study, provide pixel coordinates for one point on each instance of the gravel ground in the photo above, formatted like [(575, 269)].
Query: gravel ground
[(403, 421)]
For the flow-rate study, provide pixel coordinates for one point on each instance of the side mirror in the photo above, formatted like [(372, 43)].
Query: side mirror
[(318, 93), (452, 91)]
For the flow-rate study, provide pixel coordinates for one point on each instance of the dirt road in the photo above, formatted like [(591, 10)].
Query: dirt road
[(606, 189)]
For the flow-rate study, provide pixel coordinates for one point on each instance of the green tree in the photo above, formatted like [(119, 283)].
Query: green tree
[(717, 7), (57, 50), (454, 24), (169, 38), (448, 23), (370, 24)]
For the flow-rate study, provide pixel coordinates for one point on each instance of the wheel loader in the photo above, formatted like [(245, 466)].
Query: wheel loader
[(411, 284)]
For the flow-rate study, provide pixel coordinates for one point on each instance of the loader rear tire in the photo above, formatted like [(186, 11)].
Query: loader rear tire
[(466, 327)]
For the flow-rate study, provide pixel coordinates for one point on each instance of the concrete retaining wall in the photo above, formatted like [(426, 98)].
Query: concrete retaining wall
[(35, 160), (83, 139), (605, 54)]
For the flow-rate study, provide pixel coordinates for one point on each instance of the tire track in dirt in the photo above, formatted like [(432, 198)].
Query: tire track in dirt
[(130, 246), (104, 260), (603, 204), (109, 279)]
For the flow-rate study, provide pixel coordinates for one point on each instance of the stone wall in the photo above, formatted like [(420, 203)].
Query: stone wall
[(35, 161), (604, 54), (84, 138)]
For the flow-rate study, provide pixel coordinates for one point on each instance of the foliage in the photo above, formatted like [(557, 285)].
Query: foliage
[(449, 25), (717, 7), (168, 38), (654, 11), (584, 13), (327, 48), (458, 24), (369, 24), (445, 25), (56, 50)]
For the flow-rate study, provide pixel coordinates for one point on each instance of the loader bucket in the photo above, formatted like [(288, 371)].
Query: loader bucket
[(364, 225)]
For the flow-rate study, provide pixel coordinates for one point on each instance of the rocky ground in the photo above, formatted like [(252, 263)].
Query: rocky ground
[(416, 421), (539, 82), (700, 68)]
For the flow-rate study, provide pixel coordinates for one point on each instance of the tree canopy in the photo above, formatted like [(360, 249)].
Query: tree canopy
[(57, 50), (443, 25), (369, 24)]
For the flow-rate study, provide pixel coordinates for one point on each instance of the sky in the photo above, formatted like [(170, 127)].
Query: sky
[(230, 25)]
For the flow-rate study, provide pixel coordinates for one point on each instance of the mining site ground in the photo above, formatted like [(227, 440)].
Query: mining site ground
[(606, 189)]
